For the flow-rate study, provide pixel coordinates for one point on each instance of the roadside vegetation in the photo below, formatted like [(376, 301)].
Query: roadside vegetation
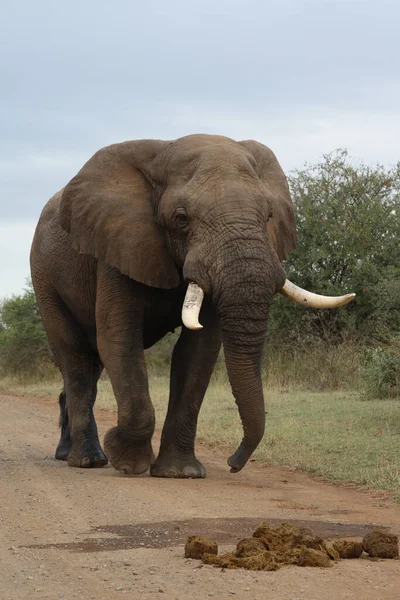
[(332, 377)]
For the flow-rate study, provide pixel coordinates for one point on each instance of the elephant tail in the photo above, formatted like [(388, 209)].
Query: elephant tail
[(63, 420)]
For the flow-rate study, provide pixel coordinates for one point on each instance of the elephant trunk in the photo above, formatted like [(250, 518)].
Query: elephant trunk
[(244, 371), (242, 302)]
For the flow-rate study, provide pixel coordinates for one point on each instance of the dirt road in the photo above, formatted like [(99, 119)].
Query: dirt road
[(75, 533)]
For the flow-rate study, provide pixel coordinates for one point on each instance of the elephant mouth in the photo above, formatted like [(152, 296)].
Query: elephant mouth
[(194, 299)]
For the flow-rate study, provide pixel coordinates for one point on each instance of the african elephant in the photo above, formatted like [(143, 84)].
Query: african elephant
[(142, 225)]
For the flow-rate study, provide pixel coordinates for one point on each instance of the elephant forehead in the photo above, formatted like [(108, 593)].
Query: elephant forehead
[(206, 153), (223, 201)]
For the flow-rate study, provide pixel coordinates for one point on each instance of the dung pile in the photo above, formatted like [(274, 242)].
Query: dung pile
[(270, 548), (381, 544), (197, 547)]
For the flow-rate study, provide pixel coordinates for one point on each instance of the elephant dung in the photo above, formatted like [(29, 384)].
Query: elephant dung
[(270, 548), (249, 547), (287, 536), (332, 552), (381, 544), (309, 557), (263, 561), (347, 549), (197, 547)]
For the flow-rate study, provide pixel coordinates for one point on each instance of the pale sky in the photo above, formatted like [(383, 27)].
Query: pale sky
[(303, 77)]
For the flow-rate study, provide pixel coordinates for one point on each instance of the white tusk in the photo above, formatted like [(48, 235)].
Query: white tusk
[(191, 307), (297, 294)]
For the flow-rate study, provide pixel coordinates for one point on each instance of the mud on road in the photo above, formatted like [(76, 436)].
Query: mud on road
[(93, 534)]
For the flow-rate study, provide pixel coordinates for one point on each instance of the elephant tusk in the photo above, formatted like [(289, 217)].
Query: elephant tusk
[(297, 294), (191, 307)]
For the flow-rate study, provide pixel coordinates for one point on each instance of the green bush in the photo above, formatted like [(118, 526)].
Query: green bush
[(381, 371), (24, 350), (348, 223)]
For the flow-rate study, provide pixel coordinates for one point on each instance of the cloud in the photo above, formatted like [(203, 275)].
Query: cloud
[(305, 136), (15, 242)]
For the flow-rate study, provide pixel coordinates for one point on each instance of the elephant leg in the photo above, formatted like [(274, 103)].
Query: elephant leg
[(80, 367), (119, 318), (82, 447), (79, 443), (193, 362)]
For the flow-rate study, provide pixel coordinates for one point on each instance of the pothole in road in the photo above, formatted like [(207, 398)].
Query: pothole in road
[(166, 534)]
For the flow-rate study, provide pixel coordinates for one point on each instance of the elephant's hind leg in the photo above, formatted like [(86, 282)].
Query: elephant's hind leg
[(80, 383), (82, 447), (81, 367)]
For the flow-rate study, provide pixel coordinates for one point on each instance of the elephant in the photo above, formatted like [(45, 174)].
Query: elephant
[(148, 235)]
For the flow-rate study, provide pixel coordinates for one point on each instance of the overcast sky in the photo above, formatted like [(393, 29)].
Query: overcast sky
[(304, 77)]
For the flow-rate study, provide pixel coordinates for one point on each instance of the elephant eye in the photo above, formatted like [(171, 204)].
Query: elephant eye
[(181, 220)]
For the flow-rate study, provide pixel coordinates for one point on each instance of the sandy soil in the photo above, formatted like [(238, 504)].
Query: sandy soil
[(75, 533)]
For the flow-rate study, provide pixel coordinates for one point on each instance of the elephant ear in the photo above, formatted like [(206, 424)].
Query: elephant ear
[(281, 227), (108, 209)]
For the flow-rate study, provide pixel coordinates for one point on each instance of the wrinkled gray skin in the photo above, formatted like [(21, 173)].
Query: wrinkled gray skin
[(111, 259)]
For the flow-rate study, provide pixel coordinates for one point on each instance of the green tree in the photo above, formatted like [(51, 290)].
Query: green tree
[(348, 241), (23, 343)]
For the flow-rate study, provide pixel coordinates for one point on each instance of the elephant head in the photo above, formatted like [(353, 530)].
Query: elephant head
[(211, 210)]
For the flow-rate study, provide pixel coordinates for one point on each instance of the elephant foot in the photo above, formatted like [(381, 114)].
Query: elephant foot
[(63, 449), (184, 466), (87, 455), (126, 455)]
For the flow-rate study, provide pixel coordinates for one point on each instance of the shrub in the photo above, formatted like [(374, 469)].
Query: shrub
[(24, 350), (348, 223), (381, 371)]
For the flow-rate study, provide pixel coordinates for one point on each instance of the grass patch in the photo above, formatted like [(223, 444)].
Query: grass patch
[(337, 435)]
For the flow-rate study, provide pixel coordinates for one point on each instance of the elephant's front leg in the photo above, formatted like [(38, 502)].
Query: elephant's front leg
[(119, 319), (193, 361)]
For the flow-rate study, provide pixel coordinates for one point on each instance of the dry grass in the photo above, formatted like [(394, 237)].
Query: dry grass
[(317, 366), (337, 435)]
